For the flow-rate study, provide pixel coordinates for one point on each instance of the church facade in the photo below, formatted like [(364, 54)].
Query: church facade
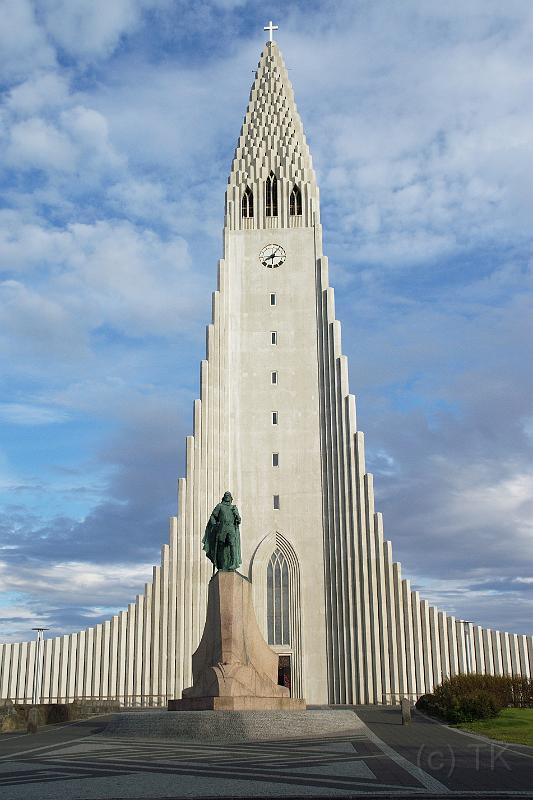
[(275, 424)]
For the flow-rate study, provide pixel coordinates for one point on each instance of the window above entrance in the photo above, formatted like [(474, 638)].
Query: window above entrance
[(278, 599)]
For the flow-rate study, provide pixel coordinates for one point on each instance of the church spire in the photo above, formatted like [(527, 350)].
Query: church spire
[(271, 143)]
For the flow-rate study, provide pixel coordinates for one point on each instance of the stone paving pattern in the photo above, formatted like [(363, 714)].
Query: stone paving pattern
[(380, 758)]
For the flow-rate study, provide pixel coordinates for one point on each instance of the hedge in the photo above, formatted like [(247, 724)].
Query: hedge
[(464, 698), (15, 716)]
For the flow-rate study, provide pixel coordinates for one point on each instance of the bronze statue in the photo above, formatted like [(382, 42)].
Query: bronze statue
[(222, 540)]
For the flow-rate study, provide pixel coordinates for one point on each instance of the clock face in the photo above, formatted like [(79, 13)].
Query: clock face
[(273, 255)]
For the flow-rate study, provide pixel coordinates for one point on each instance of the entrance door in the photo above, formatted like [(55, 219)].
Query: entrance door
[(284, 672)]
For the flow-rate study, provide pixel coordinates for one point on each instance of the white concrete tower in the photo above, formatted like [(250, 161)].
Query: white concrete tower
[(272, 240)]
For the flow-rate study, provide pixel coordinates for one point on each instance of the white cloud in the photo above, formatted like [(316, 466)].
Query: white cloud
[(23, 45), (25, 245), (92, 28), (36, 144), (26, 414), (89, 583), (34, 326), (229, 5), (104, 395), (42, 90), (397, 248), (127, 277), (108, 273), (506, 502), (94, 591), (77, 142), (183, 118), (142, 199), (89, 130)]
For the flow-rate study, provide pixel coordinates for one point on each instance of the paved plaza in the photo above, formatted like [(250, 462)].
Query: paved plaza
[(381, 758)]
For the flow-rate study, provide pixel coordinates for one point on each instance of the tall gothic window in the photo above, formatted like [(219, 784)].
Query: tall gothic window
[(278, 591), (247, 203), (295, 203), (271, 196)]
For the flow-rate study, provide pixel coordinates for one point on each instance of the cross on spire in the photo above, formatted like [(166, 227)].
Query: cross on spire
[(270, 28)]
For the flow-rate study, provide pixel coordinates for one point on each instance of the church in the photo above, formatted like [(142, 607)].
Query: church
[(276, 425)]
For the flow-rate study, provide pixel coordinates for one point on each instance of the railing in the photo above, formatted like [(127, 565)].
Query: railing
[(125, 700), (394, 698)]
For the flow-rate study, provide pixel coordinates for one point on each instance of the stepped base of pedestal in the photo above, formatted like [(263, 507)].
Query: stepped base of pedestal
[(221, 727), (237, 704)]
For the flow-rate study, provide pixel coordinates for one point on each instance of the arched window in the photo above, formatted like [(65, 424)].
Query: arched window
[(295, 203), (278, 599), (247, 203), (271, 196)]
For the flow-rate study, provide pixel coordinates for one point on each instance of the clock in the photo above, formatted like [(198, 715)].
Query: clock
[(273, 255)]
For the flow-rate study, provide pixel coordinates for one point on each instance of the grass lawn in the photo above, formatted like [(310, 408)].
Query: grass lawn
[(511, 725)]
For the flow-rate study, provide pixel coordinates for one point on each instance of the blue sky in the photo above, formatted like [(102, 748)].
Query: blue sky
[(117, 129)]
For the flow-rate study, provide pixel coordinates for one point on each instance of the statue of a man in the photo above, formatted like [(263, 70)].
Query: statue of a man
[(222, 540)]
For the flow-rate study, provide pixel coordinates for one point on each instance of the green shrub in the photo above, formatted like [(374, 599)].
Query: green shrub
[(14, 717), (425, 703), (469, 707), (8, 722), (465, 698), (520, 692), (57, 712)]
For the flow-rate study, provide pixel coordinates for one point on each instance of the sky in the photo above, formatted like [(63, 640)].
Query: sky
[(118, 123)]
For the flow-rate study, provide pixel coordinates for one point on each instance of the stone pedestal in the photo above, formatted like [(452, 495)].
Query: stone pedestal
[(233, 668)]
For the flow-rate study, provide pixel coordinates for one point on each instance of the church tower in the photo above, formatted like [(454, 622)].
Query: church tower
[(258, 421), (275, 424), (268, 295)]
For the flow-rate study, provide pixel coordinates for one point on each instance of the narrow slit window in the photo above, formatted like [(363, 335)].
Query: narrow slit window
[(247, 203), (295, 202), (271, 196), (276, 502), (273, 299), (274, 418), (275, 459), (274, 378), (273, 337)]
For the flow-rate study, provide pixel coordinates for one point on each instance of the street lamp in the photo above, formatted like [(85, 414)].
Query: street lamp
[(38, 667)]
